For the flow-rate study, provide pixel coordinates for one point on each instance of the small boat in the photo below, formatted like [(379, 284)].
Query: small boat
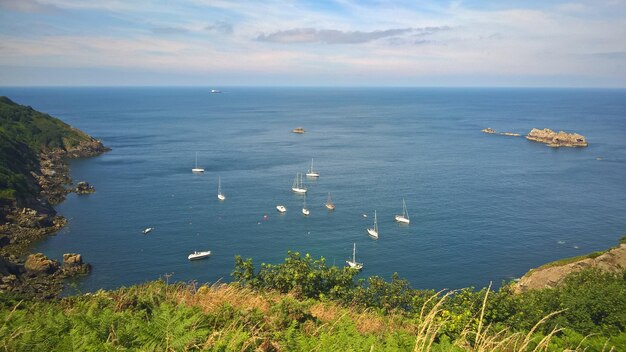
[(305, 211), (404, 218), (297, 184), (199, 255), (281, 208), (298, 130), (197, 169), (220, 195), (312, 173), (329, 203), (353, 263), (373, 231), (215, 91), (147, 230)]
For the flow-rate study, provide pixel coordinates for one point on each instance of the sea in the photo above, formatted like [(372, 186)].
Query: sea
[(483, 208)]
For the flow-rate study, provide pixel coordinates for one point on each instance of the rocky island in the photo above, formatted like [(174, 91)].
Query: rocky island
[(489, 130), (555, 140), (34, 176)]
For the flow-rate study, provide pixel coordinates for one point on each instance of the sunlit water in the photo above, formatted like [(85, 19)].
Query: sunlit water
[(483, 207)]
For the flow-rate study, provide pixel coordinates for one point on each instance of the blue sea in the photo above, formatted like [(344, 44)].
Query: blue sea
[(484, 208)]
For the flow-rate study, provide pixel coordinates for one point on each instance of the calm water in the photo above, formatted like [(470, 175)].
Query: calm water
[(483, 207)]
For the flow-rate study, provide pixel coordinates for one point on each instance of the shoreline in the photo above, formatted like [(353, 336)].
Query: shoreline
[(33, 274)]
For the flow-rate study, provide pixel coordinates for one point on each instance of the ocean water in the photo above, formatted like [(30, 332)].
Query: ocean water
[(483, 207)]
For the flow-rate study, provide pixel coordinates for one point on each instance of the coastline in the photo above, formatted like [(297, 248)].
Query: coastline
[(32, 217)]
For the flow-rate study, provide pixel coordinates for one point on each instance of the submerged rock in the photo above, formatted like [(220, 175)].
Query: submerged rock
[(554, 139)]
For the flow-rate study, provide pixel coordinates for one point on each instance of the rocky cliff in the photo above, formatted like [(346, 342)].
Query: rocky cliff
[(554, 139), (34, 175), (552, 274)]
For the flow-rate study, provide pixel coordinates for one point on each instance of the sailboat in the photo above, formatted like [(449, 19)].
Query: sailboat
[(373, 231), (197, 169), (329, 203), (297, 184), (305, 211), (220, 195), (353, 263), (404, 218), (312, 173)]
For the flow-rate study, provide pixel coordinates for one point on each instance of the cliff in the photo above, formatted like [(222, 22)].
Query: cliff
[(554, 139), (33, 176), (552, 274)]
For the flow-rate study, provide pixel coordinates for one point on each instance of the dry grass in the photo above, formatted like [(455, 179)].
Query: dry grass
[(211, 298), (242, 335)]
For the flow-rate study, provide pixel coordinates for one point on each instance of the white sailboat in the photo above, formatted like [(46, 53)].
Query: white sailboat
[(199, 255), (197, 169), (297, 186), (373, 231), (312, 173), (305, 211), (353, 263), (404, 218), (220, 195), (329, 203)]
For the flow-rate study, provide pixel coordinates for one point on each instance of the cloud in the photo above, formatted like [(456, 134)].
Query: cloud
[(28, 6), (613, 55), (329, 36), (222, 27), (169, 30)]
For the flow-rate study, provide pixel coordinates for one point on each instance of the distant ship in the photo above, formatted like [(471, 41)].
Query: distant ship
[(215, 91)]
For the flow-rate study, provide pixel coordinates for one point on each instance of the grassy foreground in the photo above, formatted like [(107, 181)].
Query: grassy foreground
[(304, 305)]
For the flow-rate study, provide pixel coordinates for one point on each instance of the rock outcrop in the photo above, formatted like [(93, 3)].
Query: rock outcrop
[(73, 264), (492, 131), (38, 264), (554, 139), (84, 188), (613, 260)]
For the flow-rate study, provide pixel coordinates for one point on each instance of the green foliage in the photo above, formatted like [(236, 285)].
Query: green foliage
[(370, 314), (24, 132), (305, 276)]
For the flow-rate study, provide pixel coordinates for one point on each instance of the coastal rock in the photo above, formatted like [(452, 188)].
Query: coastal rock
[(84, 188), (73, 264), (40, 264), (72, 259), (548, 276), (511, 134), (554, 139), (7, 267)]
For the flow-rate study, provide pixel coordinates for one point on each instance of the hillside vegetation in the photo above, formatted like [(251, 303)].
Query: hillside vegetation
[(24, 133), (304, 305)]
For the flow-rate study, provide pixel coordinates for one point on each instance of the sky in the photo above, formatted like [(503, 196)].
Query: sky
[(218, 43)]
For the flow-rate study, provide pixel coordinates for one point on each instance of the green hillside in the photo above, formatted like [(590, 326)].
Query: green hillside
[(24, 133), (304, 305)]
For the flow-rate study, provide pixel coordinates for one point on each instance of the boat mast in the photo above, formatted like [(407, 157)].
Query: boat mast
[(404, 209), (375, 222)]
